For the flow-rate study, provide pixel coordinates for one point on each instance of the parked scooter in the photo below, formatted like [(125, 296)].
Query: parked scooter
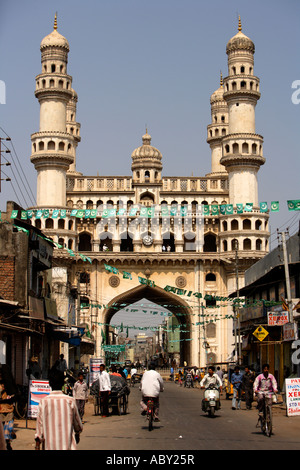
[(211, 401)]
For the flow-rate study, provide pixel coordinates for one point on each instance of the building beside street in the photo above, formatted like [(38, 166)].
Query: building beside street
[(120, 239), (266, 280), (28, 314)]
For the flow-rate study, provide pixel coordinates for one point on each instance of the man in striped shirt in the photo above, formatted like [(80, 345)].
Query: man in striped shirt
[(58, 422)]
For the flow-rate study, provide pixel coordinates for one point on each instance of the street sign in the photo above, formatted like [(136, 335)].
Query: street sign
[(260, 333)]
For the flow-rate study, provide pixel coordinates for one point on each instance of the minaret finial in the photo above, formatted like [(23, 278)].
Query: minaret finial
[(55, 21), (240, 24), (221, 79)]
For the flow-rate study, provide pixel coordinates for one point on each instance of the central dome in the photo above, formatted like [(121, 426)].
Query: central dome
[(146, 150)]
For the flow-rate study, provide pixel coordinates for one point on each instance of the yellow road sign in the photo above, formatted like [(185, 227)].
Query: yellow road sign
[(260, 333)]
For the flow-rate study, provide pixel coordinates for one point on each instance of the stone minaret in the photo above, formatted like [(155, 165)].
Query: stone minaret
[(218, 128), (242, 147), (53, 147)]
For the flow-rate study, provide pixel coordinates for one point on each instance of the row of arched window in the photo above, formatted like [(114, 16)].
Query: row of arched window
[(51, 145), (237, 148)]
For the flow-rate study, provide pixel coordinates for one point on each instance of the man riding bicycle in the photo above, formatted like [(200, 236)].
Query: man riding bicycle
[(264, 385), (151, 386)]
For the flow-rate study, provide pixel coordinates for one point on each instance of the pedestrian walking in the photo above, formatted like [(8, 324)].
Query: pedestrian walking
[(7, 415), (80, 393), (104, 389), (61, 364), (220, 372), (247, 386), (236, 380), (58, 423)]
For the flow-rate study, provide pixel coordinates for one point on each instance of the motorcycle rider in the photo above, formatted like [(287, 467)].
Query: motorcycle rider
[(211, 379), (151, 386)]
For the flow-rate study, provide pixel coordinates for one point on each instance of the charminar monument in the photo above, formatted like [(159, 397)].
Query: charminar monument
[(169, 240)]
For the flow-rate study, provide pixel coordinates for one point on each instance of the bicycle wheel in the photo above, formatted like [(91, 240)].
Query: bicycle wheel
[(150, 420), (268, 421)]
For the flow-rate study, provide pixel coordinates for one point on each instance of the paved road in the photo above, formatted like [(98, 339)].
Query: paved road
[(183, 426)]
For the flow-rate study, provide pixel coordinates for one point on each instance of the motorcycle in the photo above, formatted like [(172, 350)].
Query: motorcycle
[(211, 401)]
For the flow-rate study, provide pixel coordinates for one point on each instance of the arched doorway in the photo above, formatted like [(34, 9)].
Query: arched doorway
[(178, 307)]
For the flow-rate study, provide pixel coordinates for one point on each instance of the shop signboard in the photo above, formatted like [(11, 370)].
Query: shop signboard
[(38, 389), (95, 368), (278, 318), (292, 387), (289, 333)]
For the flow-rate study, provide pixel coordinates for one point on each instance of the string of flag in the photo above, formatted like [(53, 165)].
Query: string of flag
[(143, 211)]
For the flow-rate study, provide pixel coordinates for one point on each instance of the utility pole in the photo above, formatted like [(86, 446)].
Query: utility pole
[(1, 164), (287, 277), (237, 307)]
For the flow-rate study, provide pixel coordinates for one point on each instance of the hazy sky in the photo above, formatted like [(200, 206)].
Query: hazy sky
[(156, 63)]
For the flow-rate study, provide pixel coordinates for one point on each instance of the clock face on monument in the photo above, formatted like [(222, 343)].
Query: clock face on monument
[(147, 240)]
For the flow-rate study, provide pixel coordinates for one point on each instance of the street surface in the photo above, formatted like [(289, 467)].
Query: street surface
[(183, 426)]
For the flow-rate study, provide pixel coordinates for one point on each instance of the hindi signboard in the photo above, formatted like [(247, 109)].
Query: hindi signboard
[(38, 389), (292, 387)]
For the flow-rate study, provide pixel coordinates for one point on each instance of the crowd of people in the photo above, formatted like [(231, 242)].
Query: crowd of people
[(61, 430), (237, 383)]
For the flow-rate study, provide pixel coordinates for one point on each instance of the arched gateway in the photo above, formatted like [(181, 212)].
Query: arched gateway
[(178, 307)]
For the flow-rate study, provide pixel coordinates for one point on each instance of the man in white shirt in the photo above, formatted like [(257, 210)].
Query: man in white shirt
[(211, 379), (104, 389), (151, 386)]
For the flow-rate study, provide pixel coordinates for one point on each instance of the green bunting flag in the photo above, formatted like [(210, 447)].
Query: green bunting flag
[(80, 214), (164, 211), (205, 209), (229, 209), (263, 206), (151, 211), (46, 213), (14, 214), (21, 229), (143, 212), (183, 211), (214, 209), (275, 206), (24, 215), (73, 212), (133, 211), (173, 210), (121, 211), (126, 275), (105, 214), (239, 208), (248, 207), (55, 214), (223, 209), (294, 205)]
